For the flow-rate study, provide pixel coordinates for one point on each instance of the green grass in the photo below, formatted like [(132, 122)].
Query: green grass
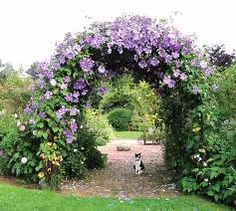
[(16, 198), (128, 134)]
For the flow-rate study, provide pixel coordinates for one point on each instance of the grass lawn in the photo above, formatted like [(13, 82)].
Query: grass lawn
[(16, 198), (127, 134)]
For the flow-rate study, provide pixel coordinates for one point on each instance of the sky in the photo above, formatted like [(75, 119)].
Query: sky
[(30, 28)]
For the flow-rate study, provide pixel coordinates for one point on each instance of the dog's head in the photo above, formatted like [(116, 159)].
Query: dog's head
[(137, 156)]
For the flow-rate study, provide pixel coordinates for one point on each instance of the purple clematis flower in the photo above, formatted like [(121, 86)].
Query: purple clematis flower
[(86, 65)]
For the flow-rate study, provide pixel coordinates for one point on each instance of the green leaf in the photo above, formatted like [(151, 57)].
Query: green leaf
[(40, 125)]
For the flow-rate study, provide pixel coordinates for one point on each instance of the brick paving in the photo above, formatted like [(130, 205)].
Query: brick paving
[(118, 179)]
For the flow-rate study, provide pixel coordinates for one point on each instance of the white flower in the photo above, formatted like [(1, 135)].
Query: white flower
[(81, 126), (31, 121), (24, 160), (15, 116), (53, 82), (35, 132), (82, 162), (2, 112), (204, 163), (206, 180), (75, 150), (22, 128), (18, 123), (199, 159), (82, 148)]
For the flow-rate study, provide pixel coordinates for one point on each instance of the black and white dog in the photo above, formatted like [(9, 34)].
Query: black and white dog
[(138, 164)]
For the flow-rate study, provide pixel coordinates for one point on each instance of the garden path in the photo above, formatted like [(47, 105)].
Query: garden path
[(118, 178)]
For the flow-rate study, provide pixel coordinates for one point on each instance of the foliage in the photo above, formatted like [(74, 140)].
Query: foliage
[(32, 71), (138, 97), (214, 160), (121, 94), (132, 135), (219, 57), (14, 93), (98, 125), (120, 119), (81, 156), (5, 70)]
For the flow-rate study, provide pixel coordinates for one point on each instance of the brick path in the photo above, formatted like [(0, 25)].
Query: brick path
[(118, 178)]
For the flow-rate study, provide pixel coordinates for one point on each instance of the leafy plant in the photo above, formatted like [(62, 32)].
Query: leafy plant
[(120, 119)]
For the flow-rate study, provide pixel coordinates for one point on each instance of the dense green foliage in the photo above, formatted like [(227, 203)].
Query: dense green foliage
[(44, 200), (120, 119), (138, 97), (214, 161), (15, 146), (99, 125)]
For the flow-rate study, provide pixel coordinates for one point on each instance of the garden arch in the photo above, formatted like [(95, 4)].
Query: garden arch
[(149, 50)]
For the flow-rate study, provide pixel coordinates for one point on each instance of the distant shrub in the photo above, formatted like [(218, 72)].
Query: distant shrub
[(99, 125), (120, 119)]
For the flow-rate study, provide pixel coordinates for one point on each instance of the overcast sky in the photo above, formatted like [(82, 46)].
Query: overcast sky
[(30, 28)]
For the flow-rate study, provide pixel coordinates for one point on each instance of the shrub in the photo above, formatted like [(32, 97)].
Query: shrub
[(99, 126), (120, 119), (213, 170)]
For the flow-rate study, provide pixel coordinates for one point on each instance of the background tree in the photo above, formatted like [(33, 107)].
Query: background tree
[(219, 57)]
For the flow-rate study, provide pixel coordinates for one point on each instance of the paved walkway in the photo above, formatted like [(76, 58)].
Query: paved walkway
[(118, 179)]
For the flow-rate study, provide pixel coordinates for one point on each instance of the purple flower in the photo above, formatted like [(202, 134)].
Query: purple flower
[(63, 86), (73, 126), (41, 83), (69, 136), (73, 111), (76, 95), (169, 82), (175, 55), (154, 61), (86, 65), (183, 76), (177, 73), (61, 112), (32, 88), (102, 70), (203, 65), (34, 105), (67, 79), (195, 90), (48, 95), (42, 115), (178, 64), (102, 90), (80, 84), (84, 92), (142, 64), (27, 110), (69, 97)]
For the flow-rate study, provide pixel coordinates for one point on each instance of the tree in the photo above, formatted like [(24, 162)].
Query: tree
[(219, 57)]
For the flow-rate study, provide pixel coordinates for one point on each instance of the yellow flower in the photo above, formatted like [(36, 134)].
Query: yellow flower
[(196, 129), (40, 175)]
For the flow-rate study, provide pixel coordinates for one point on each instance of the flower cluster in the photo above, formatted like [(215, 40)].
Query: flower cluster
[(157, 49)]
